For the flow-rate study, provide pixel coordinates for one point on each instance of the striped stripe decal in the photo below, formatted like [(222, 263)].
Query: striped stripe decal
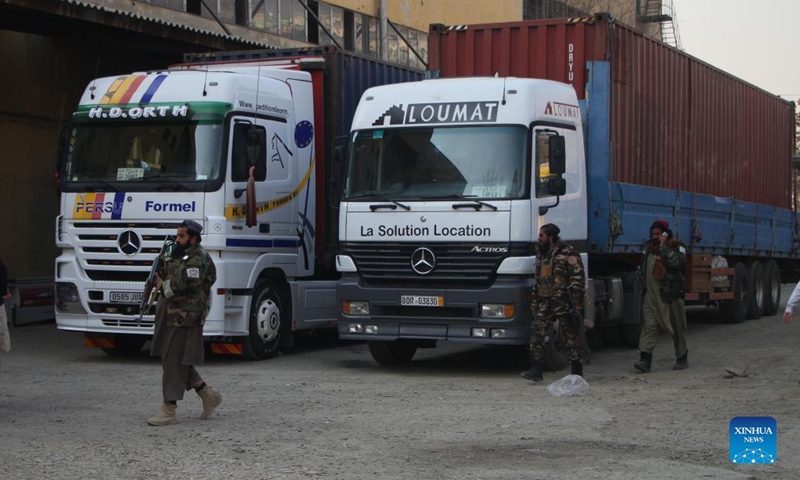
[(119, 199), (124, 88), (226, 348), (98, 342), (151, 90), (98, 198), (95, 206), (126, 97)]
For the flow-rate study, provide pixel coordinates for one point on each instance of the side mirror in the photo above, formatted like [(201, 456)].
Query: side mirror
[(556, 186), (339, 153), (557, 155)]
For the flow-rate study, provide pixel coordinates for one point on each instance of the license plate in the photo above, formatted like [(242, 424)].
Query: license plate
[(126, 297), (421, 301)]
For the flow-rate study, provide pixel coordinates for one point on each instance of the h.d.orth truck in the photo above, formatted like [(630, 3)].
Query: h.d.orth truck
[(147, 150), (448, 181)]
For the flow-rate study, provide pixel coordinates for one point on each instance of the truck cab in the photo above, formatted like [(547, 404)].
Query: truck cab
[(147, 150), (447, 183)]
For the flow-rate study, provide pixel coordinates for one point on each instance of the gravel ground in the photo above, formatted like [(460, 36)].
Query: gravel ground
[(326, 410)]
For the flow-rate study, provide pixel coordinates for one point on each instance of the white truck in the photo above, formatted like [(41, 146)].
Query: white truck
[(446, 186), (147, 150)]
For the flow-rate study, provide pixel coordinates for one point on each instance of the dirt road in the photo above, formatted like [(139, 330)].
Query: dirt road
[(326, 410)]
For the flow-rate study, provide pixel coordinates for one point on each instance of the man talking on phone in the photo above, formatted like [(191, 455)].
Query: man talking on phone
[(663, 285)]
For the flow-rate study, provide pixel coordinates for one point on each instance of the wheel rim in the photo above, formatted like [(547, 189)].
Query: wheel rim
[(759, 294), (775, 289), (268, 320)]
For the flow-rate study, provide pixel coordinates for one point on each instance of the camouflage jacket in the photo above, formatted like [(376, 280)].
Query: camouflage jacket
[(187, 287), (559, 276), (673, 258)]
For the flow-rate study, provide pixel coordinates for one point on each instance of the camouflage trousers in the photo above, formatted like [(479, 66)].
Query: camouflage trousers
[(543, 319)]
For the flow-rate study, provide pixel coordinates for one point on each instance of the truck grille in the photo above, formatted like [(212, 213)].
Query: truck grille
[(456, 264), (98, 245)]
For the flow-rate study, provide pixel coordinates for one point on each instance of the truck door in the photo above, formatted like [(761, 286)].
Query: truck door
[(261, 143)]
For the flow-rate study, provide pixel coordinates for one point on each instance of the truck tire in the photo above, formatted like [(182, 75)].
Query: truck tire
[(610, 335), (630, 334), (555, 349), (755, 291), (735, 310), (772, 288), (393, 353), (126, 345), (268, 321)]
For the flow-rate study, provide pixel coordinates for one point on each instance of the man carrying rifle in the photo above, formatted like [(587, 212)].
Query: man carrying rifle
[(558, 293), (184, 277)]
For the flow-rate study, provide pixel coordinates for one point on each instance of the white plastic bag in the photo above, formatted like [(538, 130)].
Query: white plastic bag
[(568, 386)]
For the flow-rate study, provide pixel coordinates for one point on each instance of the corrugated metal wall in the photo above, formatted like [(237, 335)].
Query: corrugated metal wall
[(676, 122)]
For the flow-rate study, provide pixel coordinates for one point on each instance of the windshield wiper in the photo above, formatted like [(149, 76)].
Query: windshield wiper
[(98, 177), (392, 204), (171, 180), (167, 179), (476, 204)]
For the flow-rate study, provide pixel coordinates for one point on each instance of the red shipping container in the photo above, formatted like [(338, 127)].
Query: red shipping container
[(676, 122)]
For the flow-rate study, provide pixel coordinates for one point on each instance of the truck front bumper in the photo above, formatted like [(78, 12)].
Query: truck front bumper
[(458, 319)]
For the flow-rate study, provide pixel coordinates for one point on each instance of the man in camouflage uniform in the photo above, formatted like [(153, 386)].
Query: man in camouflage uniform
[(558, 289), (188, 274), (663, 296)]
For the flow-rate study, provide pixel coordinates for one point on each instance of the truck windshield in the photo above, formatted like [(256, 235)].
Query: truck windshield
[(481, 162), (142, 156)]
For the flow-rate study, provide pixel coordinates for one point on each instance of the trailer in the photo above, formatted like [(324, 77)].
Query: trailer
[(650, 132)]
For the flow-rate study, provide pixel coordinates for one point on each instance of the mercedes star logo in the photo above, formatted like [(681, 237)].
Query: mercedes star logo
[(129, 243), (423, 261)]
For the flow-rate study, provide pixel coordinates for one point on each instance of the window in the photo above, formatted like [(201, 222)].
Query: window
[(372, 39), (482, 162), (333, 19), (257, 14), (543, 164), (359, 33), (247, 136), (541, 9), (194, 7), (402, 46), (271, 16)]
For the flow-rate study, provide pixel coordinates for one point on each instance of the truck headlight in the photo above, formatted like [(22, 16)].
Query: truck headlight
[(355, 308), (497, 310), (67, 298)]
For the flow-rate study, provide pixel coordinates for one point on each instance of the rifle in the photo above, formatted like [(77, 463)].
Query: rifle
[(148, 297), (576, 319)]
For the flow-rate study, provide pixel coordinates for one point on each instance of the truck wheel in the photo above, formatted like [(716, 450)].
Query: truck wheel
[(755, 291), (631, 334), (126, 345), (610, 335), (772, 288), (393, 353), (555, 349), (735, 309), (267, 322)]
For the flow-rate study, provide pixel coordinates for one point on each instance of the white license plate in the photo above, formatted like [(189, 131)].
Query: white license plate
[(421, 301), (126, 297)]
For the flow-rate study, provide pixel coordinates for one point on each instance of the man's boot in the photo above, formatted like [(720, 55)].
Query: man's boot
[(211, 400), (535, 373), (165, 416), (577, 368), (644, 363), (682, 363)]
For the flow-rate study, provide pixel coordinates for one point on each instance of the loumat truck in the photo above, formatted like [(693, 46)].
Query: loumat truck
[(584, 123), (145, 151)]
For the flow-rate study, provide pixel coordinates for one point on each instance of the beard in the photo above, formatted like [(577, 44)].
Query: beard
[(178, 249), (543, 248)]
